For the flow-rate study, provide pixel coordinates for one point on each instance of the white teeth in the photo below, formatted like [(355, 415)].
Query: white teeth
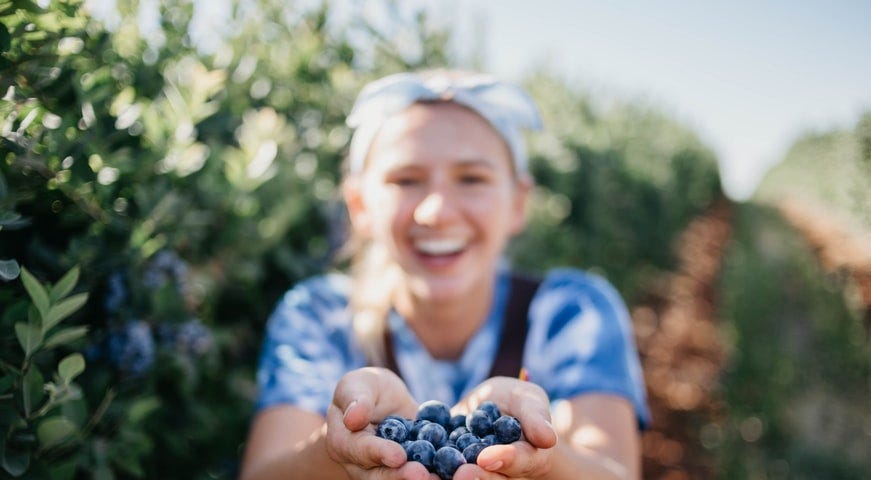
[(440, 246)]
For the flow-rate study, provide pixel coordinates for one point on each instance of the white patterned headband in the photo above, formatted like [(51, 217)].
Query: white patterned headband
[(508, 108)]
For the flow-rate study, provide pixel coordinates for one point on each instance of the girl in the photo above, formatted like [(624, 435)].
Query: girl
[(437, 186)]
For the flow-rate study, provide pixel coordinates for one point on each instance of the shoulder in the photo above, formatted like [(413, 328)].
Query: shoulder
[(571, 285), (572, 303), (326, 288), (323, 298)]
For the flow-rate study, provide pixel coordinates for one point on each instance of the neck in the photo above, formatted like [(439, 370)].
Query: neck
[(444, 327)]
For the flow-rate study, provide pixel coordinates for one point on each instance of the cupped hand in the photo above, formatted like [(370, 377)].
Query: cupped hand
[(363, 398), (529, 457)]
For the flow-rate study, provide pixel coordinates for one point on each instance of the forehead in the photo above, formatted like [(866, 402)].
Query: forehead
[(439, 130)]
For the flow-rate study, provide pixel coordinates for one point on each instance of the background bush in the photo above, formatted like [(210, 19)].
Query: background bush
[(163, 191)]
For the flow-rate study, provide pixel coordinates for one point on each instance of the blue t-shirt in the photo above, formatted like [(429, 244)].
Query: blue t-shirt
[(579, 340)]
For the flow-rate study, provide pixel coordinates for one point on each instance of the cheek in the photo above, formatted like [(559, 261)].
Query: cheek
[(387, 209), (495, 211)]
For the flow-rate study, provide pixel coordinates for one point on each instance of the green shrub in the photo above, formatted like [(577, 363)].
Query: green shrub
[(192, 187)]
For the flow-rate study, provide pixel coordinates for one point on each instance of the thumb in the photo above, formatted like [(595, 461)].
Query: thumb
[(368, 394)]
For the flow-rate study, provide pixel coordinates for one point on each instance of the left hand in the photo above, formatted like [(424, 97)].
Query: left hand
[(529, 457)]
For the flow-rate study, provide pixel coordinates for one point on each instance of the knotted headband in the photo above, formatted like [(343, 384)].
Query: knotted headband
[(507, 107)]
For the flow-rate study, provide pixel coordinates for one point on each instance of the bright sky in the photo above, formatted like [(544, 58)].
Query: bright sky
[(749, 77)]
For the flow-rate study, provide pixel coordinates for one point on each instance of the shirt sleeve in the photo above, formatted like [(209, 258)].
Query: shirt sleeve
[(307, 347), (580, 340)]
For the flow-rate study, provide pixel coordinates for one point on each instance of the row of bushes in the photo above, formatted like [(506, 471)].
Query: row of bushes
[(158, 197)]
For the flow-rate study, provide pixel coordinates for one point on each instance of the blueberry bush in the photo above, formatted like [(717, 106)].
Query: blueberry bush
[(187, 184)]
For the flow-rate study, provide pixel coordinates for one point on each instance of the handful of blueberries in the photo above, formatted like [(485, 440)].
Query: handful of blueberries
[(442, 442)]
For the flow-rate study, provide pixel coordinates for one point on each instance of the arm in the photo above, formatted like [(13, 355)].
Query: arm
[(594, 436), (598, 439), (288, 439), (288, 442)]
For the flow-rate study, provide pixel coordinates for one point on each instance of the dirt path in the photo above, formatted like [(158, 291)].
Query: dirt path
[(681, 351)]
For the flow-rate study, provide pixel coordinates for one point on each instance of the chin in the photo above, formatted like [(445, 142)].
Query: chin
[(442, 289)]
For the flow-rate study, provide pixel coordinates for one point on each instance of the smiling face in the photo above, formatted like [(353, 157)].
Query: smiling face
[(440, 193)]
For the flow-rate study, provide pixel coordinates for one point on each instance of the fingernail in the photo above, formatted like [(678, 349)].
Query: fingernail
[(349, 408), (494, 466)]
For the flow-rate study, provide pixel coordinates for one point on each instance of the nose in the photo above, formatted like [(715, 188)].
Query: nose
[(434, 209)]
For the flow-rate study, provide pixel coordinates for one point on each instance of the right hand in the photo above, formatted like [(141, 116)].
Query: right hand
[(362, 398)]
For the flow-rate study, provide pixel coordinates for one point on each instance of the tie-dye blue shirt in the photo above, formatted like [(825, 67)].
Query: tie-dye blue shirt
[(579, 340)]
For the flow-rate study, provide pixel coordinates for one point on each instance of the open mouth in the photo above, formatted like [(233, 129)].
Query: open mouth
[(440, 247)]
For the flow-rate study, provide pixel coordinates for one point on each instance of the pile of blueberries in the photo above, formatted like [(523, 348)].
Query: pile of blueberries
[(442, 442)]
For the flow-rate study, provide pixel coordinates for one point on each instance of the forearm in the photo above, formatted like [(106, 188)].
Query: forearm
[(579, 462), (307, 460), (598, 439)]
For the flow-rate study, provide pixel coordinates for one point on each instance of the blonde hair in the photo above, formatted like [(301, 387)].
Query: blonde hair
[(374, 277)]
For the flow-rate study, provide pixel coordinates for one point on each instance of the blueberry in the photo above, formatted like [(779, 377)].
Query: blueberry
[(447, 461), (392, 429), (507, 429), (491, 409), (131, 347), (421, 451), (490, 439), (434, 434), (416, 426), (435, 411), (471, 452), (465, 440), (457, 421), (479, 423), (455, 433), (408, 423)]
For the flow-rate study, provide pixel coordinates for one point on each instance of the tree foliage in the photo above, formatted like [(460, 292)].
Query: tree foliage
[(616, 184), (828, 169)]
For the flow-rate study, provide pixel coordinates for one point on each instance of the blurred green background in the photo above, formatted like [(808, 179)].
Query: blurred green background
[(155, 201)]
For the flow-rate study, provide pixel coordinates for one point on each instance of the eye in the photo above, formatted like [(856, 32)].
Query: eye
[(403, 180), (472, 179)]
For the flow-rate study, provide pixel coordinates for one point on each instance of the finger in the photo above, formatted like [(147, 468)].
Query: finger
[(355, 395), (520, 459), (531, 407), (470, 471), (369, 394), (362, 448)]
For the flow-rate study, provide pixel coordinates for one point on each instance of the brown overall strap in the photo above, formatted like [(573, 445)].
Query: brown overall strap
[(509, 356)]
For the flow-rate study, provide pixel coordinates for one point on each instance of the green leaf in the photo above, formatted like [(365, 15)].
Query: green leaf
[(65, 285), (36, 291), (29, 337), (103, 472), (9, 270), (64, 336), (63, 471), (70, 367), (15, 311), (140, 409), (5, 39), (28, 5), (14, 461), (54, 431), (7, 382), (62, 310), (32, 390)]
